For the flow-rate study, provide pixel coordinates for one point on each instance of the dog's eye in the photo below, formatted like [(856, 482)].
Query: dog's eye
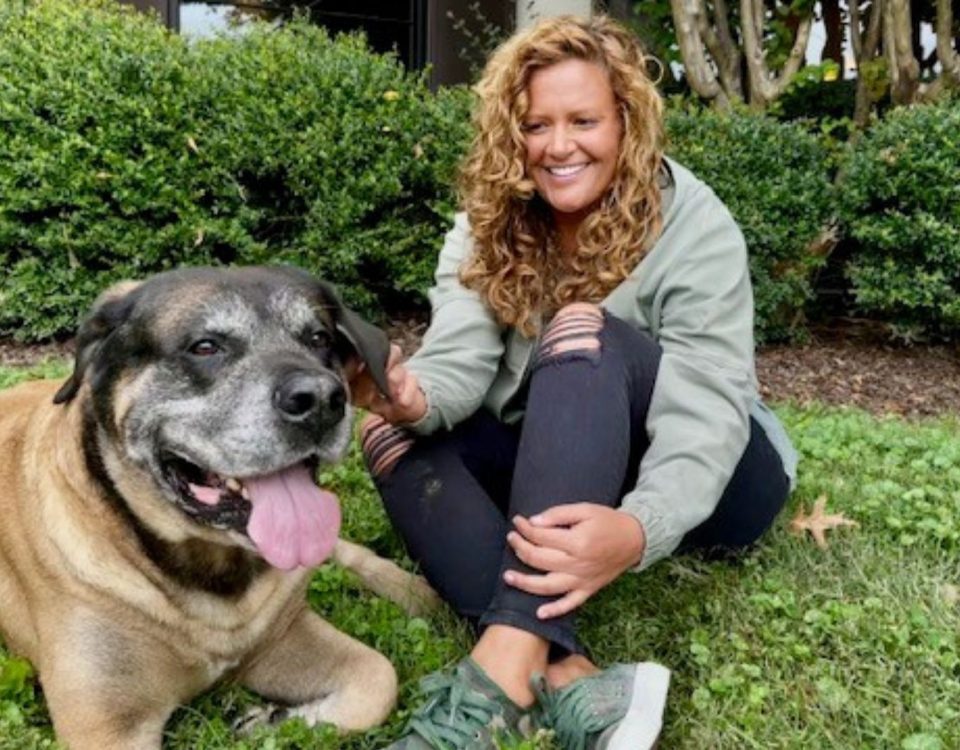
[(204, 348), (319, 340)]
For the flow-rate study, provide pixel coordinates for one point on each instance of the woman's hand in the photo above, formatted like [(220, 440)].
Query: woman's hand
[(406, 403), (581, 547)]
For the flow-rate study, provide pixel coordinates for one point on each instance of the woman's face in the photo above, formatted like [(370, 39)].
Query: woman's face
[(572, 136)]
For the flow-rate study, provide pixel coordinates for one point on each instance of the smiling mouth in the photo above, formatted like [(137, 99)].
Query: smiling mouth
[(208, 497), (566, 171), (290, 520)]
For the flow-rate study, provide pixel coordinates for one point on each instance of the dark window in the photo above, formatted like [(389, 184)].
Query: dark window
[(169, 10)]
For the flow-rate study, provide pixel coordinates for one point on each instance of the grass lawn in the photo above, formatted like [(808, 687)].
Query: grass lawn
[(854, 647)]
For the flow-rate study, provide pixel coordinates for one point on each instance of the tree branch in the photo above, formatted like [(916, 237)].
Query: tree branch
[(856, 40), (700, 75), (753, 52), (721, 17), (729, 65), (865, 42), (898, 44), (796, 58), (949, 57), (764, 86), (872, 41)]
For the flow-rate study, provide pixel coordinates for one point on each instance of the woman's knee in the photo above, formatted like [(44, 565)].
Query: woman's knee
[(383, 444), (586, 331), (574, 333)]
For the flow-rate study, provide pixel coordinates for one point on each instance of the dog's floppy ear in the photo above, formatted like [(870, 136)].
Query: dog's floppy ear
[(367, 341), (111, 309)]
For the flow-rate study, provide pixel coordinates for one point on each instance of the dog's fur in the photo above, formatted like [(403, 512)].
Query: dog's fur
[(130, 600)]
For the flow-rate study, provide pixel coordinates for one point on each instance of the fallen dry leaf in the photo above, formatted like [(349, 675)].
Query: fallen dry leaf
[(951, 594), (818, 522)]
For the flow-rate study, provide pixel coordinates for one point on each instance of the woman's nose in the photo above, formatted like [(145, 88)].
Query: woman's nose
[(560, 142)]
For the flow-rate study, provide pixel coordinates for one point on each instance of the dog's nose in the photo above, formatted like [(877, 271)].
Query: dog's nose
[(301, 396)]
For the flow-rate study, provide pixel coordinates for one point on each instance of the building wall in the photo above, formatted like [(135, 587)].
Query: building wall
[(529, 11)]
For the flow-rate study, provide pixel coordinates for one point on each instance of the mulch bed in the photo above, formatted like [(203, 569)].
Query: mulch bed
[(14, 354), (919, 381), (850, 364)]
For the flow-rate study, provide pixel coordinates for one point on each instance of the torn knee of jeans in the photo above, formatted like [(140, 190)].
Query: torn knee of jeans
[(383, 444), (574, 333)]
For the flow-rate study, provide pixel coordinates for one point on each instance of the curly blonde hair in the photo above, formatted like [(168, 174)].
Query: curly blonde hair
[(515, 265)]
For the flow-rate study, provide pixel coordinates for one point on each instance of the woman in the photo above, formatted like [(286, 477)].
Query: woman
[(584, 402)]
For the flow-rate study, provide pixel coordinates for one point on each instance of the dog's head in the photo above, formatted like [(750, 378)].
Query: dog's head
[(212, 395)]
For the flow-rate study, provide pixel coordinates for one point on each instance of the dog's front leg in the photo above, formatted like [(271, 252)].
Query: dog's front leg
[(85, 718), (107, 687), (315, 672), (387, 579)]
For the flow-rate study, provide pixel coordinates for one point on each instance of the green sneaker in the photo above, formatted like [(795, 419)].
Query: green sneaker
[(464, 710), (620, 708)]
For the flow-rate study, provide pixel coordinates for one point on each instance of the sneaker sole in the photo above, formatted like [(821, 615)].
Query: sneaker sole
[(640, 727)]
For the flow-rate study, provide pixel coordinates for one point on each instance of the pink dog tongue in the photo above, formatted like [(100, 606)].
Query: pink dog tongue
[(293, 521)]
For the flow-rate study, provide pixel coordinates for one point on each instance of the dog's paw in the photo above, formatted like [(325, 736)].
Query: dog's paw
[(268, 714), (420, 599)]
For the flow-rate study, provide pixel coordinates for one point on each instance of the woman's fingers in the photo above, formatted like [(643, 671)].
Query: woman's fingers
[(569, 588), (563, 605), (397, 378), (406, 388), (555, 537), (567, 514), (406, 405), (405, 401), (363, 391), (544, 548), (551, 584), (542, 558)]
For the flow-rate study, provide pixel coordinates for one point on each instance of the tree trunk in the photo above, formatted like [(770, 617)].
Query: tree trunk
[(898, 46), (765, 87), (723, 48), (946, 51), (689, 18), (865, 40)]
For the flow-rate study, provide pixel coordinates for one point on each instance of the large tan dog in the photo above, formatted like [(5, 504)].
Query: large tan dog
[(158, 516)]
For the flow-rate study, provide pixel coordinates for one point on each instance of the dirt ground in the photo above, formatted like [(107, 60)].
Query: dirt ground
[(918, 381), (847, 364)]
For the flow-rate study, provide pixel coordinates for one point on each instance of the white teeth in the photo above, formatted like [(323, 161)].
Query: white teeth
[(233, 485), (565, 171)]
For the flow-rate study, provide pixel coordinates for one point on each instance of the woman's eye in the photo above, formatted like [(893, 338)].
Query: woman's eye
[(584, 122), (204, 348), (532, 127), (319, 340)]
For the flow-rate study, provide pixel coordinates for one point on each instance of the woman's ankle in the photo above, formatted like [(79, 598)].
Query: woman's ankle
[(570, 668), (510, 657)]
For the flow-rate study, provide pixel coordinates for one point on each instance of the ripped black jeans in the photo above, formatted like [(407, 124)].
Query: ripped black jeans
[(450, 495)]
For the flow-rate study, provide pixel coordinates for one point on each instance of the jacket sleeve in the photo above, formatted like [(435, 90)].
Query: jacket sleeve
[(461, 350), (698, 422)]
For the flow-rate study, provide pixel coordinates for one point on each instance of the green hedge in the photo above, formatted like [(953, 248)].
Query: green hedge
[(901, 197), (774, 179), (127, 150)]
